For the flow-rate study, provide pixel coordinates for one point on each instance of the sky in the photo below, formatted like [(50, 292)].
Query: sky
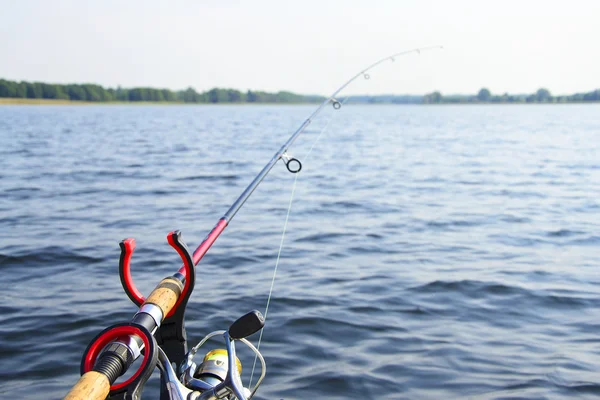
[(308, 46)]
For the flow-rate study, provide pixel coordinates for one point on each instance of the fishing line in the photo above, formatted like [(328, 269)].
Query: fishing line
[(274, 274), (287, 217), (323, 130), (282, 153)]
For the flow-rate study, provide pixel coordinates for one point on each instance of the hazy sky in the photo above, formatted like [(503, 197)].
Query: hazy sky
[(305, 46)]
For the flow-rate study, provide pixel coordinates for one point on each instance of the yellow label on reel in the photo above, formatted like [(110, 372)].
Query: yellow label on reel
[(219, 357)]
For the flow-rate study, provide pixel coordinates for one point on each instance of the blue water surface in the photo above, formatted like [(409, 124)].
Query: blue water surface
[(431, 252)]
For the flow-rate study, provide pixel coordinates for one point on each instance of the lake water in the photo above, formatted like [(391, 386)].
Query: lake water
[(431, 252)]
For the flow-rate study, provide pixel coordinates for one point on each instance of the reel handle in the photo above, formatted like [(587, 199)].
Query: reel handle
[(247, 325)]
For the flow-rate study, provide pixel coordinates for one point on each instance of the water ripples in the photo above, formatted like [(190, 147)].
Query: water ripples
[(452, 255)]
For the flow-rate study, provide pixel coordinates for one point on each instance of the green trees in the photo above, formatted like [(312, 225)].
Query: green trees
[(120, 94), (146, 94), (484, 95), (592, 96), (540, 96), (53, 92), (8, 88), (543, 95), (189, 96), (435, 97), (33, 90), (96, 93), (217, 95), (75, 92), (167, 95)]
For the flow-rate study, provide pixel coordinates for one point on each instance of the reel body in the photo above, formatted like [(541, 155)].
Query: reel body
[(215, 377)]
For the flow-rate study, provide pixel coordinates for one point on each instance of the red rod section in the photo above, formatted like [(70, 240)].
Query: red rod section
[(206, 243)]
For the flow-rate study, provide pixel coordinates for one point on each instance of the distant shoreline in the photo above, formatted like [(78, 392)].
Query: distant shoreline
[(13, 92), (13, 101)]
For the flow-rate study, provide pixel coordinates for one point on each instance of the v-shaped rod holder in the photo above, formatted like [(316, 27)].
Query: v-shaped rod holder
[(171, 335)]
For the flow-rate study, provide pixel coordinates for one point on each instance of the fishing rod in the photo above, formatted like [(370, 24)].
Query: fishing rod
[(157, 330), (292, 164)]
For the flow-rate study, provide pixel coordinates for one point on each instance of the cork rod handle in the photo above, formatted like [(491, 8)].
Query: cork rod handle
[(91, 386), (166, 294)]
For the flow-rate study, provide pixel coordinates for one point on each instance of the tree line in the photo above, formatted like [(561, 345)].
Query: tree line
[(542, 95), (97, 93)]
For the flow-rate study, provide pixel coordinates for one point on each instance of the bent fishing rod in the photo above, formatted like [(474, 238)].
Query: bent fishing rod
[(157, 330)]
